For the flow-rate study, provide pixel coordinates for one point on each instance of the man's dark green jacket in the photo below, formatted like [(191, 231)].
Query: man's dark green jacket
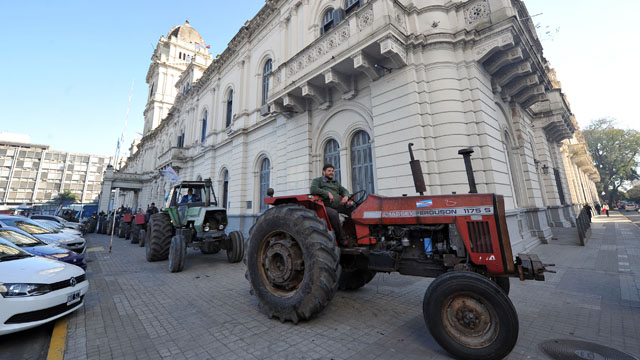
[(322, 186)]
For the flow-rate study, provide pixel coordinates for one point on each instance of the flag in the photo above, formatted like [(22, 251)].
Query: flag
[(170, 174), (201, 46)]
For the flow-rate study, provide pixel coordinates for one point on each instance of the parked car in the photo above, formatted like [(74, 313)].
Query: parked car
[(57, 227), (59, 220), (35, 290), (37, 247), (630, 207), (73, 243)]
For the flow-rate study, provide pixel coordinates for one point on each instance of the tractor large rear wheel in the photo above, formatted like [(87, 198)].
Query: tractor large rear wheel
[(293, 263), (470, 316), (159, 236)]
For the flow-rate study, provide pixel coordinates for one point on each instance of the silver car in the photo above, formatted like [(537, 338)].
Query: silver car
[(74, 243)]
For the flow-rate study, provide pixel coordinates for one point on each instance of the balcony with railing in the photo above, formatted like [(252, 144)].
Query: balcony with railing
[(175, 157), (364, 42)]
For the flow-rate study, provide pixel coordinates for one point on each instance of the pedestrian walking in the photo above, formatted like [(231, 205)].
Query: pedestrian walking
[(605, 208), (588, 210), (597, 206)]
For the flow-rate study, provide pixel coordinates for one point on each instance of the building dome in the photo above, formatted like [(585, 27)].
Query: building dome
[(186, 33)]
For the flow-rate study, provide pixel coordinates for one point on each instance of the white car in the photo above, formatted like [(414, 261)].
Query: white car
[(35, 290)]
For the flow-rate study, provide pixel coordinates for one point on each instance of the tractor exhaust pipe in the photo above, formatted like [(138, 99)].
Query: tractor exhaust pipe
[(416, 171), (466, 153)]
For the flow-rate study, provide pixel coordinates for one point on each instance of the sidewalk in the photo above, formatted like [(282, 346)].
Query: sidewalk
[(138, 310)]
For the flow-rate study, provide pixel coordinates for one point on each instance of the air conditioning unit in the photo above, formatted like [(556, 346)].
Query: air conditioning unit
[(265, 110)]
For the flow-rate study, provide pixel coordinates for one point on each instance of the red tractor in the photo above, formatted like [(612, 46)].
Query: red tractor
[(295, 264), (139, 225)]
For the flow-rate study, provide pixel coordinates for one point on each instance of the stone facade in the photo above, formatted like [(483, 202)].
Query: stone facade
[(297, 87)]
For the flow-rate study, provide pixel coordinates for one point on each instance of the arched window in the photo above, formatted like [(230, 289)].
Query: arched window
[(512, 168), (203, 136), (361, 163), (265, 80), (265, 173), (229, 108), (351, 5), (332, 156), (225, 189), (327, 21)]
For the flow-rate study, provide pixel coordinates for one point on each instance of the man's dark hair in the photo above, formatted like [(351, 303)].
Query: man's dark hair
[(326, 166), (153, 204)]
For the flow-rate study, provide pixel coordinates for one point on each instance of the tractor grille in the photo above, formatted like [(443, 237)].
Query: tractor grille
[(480, 237)]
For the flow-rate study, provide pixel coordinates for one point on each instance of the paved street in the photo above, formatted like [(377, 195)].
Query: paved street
[(138, 310)]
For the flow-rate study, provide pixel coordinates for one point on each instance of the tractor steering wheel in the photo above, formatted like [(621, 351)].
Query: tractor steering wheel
[(358, 197)]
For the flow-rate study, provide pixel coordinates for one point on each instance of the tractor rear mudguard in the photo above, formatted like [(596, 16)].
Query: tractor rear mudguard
[(312, 202)]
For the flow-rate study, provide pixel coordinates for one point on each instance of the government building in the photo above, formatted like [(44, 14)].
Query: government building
[(351, 83), (34, 174)]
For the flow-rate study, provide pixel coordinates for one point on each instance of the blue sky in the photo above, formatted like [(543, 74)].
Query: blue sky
[(66, 67)]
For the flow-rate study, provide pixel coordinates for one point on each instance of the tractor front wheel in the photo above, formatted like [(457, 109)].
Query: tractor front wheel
[(470, 316), (293, 263), (142, 237), (502, 282), (177, 253), (159, 236), (135, 233), (236, 252)]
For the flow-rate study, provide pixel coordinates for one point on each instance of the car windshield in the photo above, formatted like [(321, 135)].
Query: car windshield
[(10, 252), (18, 239), (47, 225), (26, 225)]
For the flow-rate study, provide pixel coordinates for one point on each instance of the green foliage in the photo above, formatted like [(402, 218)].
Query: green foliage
[(66, 197), (615, 153), (633, 194)]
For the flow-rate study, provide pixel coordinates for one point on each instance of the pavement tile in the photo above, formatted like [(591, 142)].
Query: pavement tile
[(139, 310)]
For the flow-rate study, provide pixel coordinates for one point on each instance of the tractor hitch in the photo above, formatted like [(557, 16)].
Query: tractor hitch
[(531, 268)]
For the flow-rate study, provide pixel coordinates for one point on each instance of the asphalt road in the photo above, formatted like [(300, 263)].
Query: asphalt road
[(29, 344), (634, 216)]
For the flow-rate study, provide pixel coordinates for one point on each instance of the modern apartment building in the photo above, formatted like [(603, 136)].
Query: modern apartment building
[(34, 174)]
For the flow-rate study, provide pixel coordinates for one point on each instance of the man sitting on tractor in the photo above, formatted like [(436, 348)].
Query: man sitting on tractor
[(334, 196), (190, 197)]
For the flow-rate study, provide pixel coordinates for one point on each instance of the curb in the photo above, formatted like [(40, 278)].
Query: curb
[(58, 340)]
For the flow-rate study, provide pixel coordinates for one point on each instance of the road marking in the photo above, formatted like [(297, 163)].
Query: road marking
[(58, 340)]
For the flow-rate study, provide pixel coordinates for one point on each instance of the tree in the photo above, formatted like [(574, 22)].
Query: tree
[(66, 197), (616, 154), (633, 194)]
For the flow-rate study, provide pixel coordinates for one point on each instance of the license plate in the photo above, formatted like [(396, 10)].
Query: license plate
[(73, 298)]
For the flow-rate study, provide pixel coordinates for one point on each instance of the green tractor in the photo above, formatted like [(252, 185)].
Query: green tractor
[(191, 219)]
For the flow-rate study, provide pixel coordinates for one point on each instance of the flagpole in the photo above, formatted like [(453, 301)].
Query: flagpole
[(124, 131)]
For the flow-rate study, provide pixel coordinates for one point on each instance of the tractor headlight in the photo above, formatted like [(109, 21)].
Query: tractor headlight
[(20, 290), (206, 227), (221, 227)]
